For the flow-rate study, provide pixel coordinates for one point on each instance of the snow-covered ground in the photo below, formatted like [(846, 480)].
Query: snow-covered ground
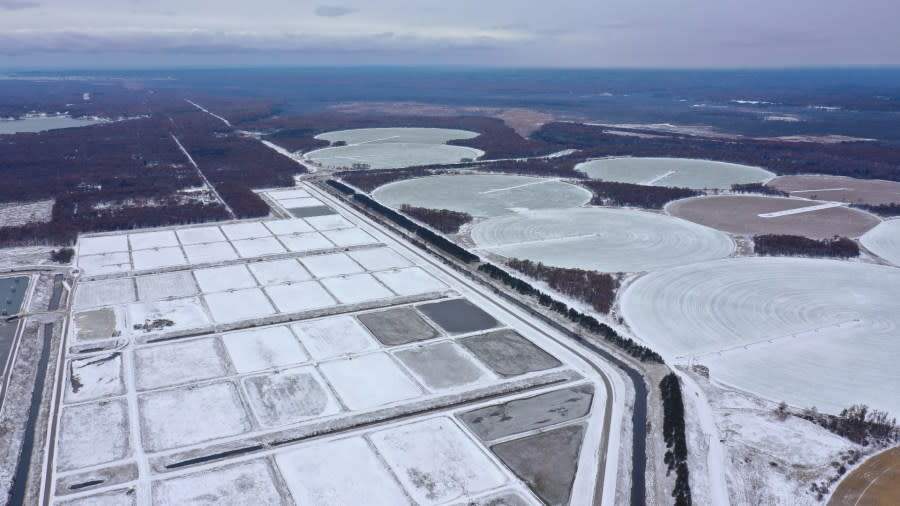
[(675, 172), (884, 241)]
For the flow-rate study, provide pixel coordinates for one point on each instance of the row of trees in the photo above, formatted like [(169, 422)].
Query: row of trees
[(758, 188), (635, 195), (444, 220), (795, 245), (858, 423), (675, 437), (594, 288), (887, 210)]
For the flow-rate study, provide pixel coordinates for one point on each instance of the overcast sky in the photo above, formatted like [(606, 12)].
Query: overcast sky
[(582, 33)]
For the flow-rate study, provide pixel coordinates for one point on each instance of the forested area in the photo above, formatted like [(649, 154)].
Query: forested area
[(866, 160), (795, 245), (443, 220), (594, 288), (635, 195), (758, 188), (675, 438), (886, 210), (859, 423)]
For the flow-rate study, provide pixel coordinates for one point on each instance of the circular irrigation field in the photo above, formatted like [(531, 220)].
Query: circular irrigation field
[(754, 215), (840, 188), (821, 333), (601, 239), (390, 148), (674, 172), (884, 241), (483, 195)]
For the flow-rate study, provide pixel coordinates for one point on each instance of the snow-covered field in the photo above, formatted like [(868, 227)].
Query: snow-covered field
[(884, 241), (260, 349), (385, 148), (370, 380), (393, 135), (14, 214), (675, 172), (483, 195), (105, 292), (810, 332), (606, 240)]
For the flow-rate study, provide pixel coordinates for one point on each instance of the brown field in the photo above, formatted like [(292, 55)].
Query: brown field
[(739, 214), (840, 188), (875, 483)]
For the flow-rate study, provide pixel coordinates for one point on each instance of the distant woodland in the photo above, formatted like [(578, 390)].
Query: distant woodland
[(635, 195), (795, 245), (444, 220), (758, 188), (594, 288)]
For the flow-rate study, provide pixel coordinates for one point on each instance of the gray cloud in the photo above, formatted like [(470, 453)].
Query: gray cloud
[(17, 5), (333, 11)]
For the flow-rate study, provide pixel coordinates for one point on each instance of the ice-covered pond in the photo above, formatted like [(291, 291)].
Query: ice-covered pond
[(601, 239), (483, 195), (674, 172), (43, 123), (389, 148), (810, 332)]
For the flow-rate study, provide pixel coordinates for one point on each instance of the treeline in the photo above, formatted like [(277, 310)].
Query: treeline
[(425, 234), (635, 195), (886, 210), (496, 139), (594, 288), (369, 180), (584, 321), (865, 160), (858, 423), (795, 245), (243, 201), (758, 188), (444, 220), (675, 438)]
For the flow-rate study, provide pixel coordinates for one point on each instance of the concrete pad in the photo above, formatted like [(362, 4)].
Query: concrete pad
[(166, 285), (441, 366), (547, 462), (339, 473), (156, 258), (153, 240), (96, 324), (436, 462), (276, 272), (238, 231), (105, 292), (210, 252), (301, 243), (267, 348), (398, 326), (177, 363), (288, 227), (369, 381), (347, 237), (298, 297), (93, 378), (220, 279), (229, 307), (92, 434), (333, 337), (379, 259), (335, 264), (356, 288), (190, 415), (289, 397), (523, 415), (200, 235), (412, 281), (458, 316), (509, 354), (249, 248), (102, 244), (247, 483)]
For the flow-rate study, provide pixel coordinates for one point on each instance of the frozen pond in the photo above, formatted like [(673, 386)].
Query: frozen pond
[(391, 148), (810, 332), (43, 123), (601, 239), (884, 241), (674, 172), (483, 195)]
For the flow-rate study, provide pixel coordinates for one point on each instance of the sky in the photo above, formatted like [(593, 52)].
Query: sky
[(558, 33)]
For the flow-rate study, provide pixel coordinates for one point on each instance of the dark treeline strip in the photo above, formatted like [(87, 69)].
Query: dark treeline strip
[(62, 255), (795, 245), (243, 201), (636, 195), (369, 180), (586, 322), (594, 288), (858, 423), (444, 220), (497, 139), (865, 160), (758, 188), (887, 210), (425, 234), (676, 440)]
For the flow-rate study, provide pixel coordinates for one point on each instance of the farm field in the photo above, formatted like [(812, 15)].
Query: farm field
[(483, 195), (884, 241), (875, 483), (43, 123), (601, 239), (818, 345), (388, 148), (840, 188), (752, 215), (674, 172), (274, 349)]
